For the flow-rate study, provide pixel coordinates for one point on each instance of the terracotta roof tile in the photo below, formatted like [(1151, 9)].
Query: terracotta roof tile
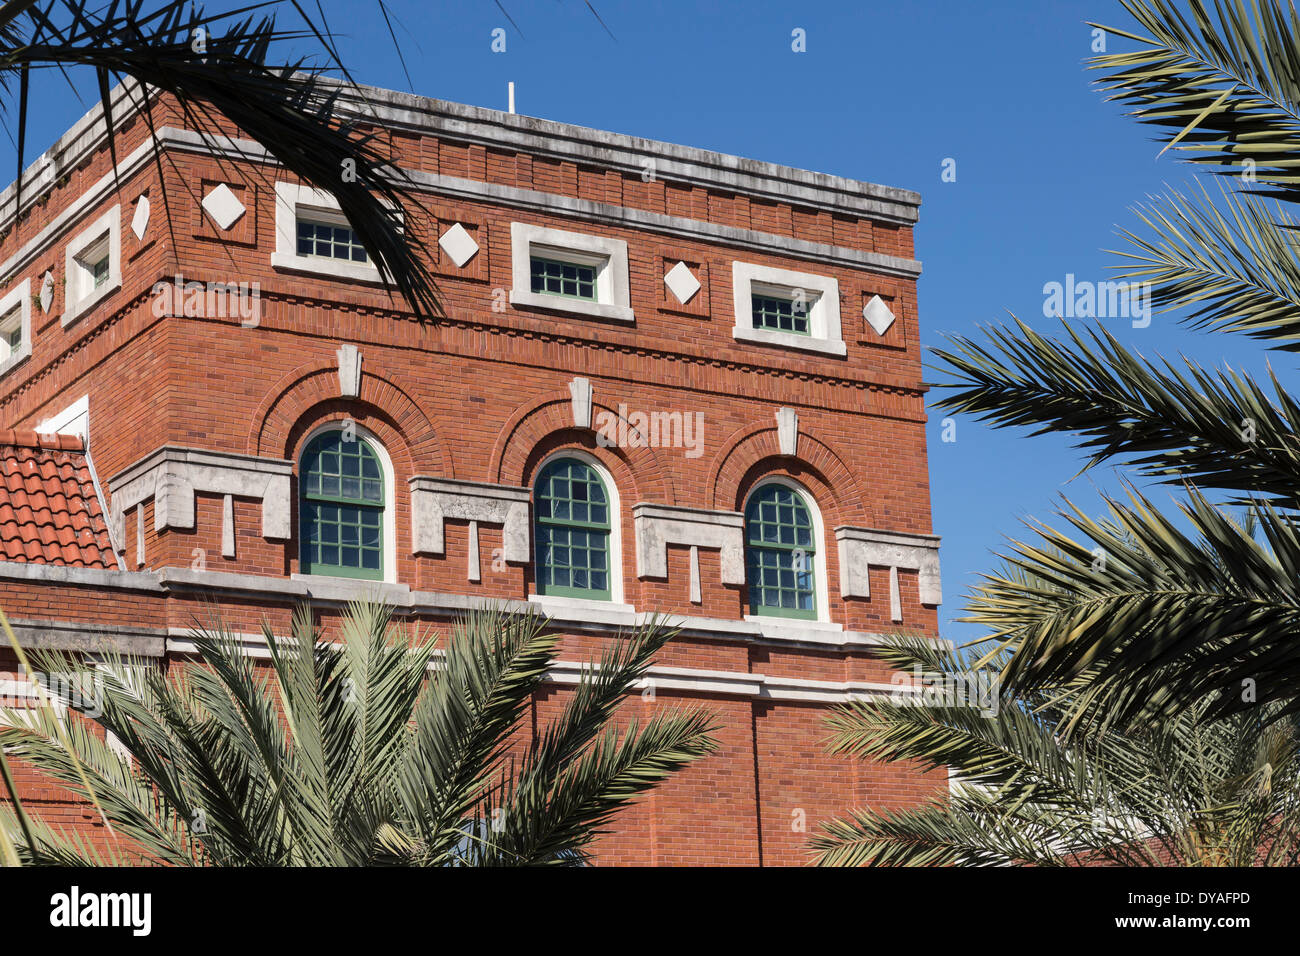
[(49, 512)]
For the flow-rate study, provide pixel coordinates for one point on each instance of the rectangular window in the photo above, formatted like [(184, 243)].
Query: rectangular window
[(561, 271), (92, 266), (312, 235), (15, 325), (329, 241), (781, 313), (572, 280), (11, 333), (787, 309)]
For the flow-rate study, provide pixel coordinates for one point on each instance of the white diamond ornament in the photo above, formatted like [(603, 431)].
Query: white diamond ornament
[(47, 292), (682, 283), (223, 206), (458, 244), (878, 315), (140, 221)]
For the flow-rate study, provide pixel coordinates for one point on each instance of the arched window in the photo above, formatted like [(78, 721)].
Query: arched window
[(341, 484), (780, 552), (573, 530)]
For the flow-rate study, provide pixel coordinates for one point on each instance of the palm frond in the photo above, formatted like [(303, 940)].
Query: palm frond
[(1181, 788), (1141, 618), (1235, 269), (289, 109), (363, 751), (1219, 429), (1220, 83)]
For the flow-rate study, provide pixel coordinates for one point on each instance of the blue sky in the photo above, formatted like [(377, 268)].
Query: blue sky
[(1047, 170)]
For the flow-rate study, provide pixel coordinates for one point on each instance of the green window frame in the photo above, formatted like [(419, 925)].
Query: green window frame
[(572, 531), (330, 240), (99, 270), (568, 280), (342, 495), (781, 314), (780, 552)]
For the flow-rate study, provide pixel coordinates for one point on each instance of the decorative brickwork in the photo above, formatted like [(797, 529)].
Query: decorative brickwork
[(463, 411)]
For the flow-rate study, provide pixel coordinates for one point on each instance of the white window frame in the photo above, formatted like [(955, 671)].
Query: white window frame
[(609, 256), (822, 292), (821, 587), (390, 509), (80, 294), (18, 299), (561, 602), (292, 202), (73, 420)]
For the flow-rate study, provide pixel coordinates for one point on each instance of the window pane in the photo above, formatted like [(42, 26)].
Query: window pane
[(342, 513), (572, 532), (781, 314), (570, 279), (780, 553), (330, 241)]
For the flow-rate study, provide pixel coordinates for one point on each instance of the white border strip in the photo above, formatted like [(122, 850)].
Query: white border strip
[(679, 679)]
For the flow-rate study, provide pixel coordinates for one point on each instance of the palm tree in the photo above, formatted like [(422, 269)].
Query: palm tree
[(1159, 612), (216, 66), (375, 750), (1186, 791)]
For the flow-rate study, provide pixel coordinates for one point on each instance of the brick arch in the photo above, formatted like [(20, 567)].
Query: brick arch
[(536, 430), (311, 392), (753, 452), (342, 409)]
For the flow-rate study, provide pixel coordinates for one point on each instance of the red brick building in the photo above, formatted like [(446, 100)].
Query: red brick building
[(667, 380)]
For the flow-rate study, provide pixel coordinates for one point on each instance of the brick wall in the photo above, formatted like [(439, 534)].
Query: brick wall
[(481, 394)]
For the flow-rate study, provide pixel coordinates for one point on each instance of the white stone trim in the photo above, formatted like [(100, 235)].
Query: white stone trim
[(433, 500), (611, 613), (823, 315), (79, 292), (742, 684), (580, 392), (19, 298), (64, 636), (578, 615), (787, 430), (860, 548), (349, 357), (73, 420), (631, 154), (390, 493), (292, 199), (658, 526), (819, 557), (609, 256), (172, 475), (797, 630), (497, 129)]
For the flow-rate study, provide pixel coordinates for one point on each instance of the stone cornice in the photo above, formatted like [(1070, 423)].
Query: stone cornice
[(539, 137), (339, 591), (629, 154)]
